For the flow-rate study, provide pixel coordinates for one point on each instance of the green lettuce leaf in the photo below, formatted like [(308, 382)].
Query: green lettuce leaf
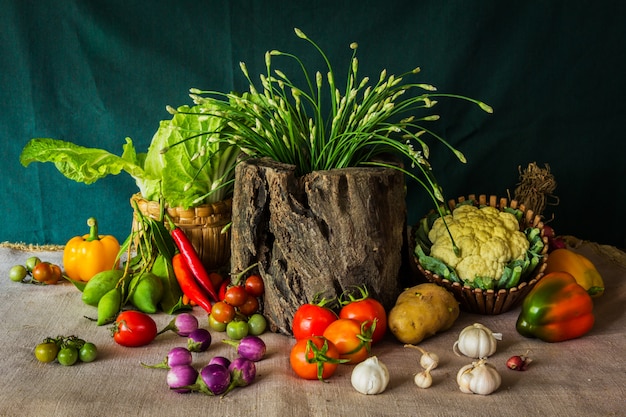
[(78, 163), (195, 165), (87, 165), (187, 162)]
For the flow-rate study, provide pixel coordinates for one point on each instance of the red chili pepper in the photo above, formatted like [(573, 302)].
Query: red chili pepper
[(188, 283), (193, 260), (223, 287)]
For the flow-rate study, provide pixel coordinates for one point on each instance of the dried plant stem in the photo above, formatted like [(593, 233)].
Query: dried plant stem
[(536, 187)]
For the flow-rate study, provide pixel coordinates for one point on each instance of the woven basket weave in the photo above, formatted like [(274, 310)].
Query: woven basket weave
[(202, 224), (490, 302)]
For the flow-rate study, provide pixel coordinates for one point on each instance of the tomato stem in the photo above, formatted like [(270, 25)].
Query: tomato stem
[(319, 357), (237, 277), (364, 294)]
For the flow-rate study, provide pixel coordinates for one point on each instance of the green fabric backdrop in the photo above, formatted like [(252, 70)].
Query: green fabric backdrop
[(95, 72)]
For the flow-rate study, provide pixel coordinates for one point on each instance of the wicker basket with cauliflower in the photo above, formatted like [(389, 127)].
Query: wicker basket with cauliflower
[(488, 253)]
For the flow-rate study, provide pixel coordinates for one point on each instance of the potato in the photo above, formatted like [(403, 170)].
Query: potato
[(422, 311)]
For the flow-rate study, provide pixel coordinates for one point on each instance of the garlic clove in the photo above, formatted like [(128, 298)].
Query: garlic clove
[(463, 379)]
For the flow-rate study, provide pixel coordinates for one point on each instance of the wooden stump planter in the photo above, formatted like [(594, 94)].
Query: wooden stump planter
[(324, 233)]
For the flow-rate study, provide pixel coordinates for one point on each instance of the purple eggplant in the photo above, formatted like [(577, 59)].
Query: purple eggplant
[(176, 356), (199, 340), (215, 378), (183, 324), (250, 347), (242, 372), (180, 378), (225, 362)]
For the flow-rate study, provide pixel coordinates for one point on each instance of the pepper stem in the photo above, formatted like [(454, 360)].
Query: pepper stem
[(93, 229)]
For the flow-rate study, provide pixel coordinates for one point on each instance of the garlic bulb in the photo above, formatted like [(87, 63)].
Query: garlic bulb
[(423, 379), (477, 341), (478, 378), (370, 376)]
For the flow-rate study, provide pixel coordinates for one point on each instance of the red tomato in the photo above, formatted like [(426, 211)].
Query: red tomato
[(46, 272), (133, 328), (311, 320), (314, 358), (216, 279), (250, 306), (367, 310), (254, 285), (223, 312), (235, 295), (352, 339)]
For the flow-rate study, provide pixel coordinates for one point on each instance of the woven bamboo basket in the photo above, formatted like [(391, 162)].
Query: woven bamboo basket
[(492, 302), (202, 224)]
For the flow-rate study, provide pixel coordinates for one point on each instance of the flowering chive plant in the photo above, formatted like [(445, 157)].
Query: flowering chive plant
[(319, 127)]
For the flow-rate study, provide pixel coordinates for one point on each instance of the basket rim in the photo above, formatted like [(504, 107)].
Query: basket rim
[(197, 216)]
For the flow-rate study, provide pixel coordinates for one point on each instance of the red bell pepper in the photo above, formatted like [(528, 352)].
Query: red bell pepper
[(556, 309)]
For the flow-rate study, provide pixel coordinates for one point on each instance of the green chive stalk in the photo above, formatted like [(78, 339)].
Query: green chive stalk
[(319, 127)]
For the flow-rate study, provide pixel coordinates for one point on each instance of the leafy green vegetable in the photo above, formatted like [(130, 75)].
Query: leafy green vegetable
[(436, 266), (184, 164), (194, 164)]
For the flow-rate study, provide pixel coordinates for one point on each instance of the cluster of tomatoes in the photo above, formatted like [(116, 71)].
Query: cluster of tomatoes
[(67, 350), (36, 271), (237, 311), (325, 339)]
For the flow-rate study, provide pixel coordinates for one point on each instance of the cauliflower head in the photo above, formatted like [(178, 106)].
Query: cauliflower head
[(487, 239)]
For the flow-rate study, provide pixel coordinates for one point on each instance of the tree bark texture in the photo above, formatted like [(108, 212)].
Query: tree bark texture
[(322, 233)]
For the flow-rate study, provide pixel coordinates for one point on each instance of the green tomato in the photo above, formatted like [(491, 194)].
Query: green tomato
[(67, 356), (218, 326), (18, 273), (31, 262), (46, 351), (88, 352), (257, 324), (237, 329)]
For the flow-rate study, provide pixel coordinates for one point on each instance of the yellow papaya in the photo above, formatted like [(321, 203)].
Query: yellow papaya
[(579, 266)]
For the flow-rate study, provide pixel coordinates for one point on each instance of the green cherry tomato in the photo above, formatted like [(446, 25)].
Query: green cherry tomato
[(88, 352), (216, 325), (46, 352), (67, 356), (257, 324), (237, 329), (31, 262), (18, 273)]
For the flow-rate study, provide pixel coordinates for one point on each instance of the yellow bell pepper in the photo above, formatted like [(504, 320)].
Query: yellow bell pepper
[(579, 266), (85, 256)]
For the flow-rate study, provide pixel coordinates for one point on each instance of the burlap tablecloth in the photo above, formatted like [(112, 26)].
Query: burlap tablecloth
[(583, 377)]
